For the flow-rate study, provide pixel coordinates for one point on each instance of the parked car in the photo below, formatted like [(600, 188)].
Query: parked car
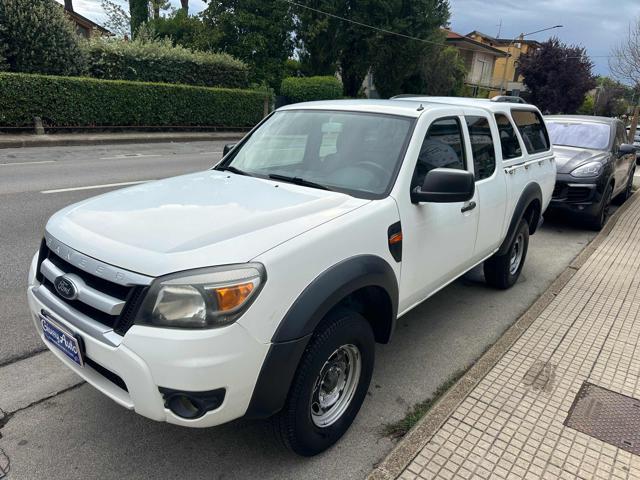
[(595, 164), (259, 288), (636, 143)]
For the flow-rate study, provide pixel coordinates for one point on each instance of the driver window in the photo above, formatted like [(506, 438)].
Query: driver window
[(442, 147)]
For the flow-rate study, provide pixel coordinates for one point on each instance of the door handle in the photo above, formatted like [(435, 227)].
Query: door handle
[(468, 207)]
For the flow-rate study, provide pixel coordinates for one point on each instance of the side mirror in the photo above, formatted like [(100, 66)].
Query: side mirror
[(227, 148), (445, 185), (625, 149)]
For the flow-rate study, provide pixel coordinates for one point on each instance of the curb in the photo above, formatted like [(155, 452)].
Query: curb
[(414, 441), (68, 140)]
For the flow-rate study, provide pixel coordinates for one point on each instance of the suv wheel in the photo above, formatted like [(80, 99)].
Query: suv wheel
[(628, 189), (329, 386), (502, 271), (598, 221)]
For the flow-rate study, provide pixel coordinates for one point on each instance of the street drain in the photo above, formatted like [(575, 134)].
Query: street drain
[(608, 416)]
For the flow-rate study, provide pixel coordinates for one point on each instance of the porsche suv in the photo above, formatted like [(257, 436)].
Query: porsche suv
[(595, 164)]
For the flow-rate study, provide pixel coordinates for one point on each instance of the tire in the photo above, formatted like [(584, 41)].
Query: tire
[(628, 189), (303, 426), (502, 271), (599, 220)]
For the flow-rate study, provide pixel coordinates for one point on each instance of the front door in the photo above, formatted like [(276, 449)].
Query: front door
[(438, 238)]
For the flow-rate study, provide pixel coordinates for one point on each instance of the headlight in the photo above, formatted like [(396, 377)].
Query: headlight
[(591, 169), (203, 298)]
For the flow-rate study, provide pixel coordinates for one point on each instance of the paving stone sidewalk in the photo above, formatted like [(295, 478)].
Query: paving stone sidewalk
[(512, 423)]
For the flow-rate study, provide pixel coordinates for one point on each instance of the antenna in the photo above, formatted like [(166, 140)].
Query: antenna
[(499, 28)]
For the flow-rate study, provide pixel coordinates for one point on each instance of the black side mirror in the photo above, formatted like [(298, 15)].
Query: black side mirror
[(227, 148), (445, 185), (625, 149)]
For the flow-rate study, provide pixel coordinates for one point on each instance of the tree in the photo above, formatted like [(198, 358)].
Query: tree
[(118, 20), (255, 31), (138, 13), (36, 37), (156, 5), (624, 62), (184, 4), (185, 30), (558, 76), (329, 43), (401, 64)]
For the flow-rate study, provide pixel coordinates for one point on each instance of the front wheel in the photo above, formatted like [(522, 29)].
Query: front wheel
[(628, 189), (599, 220), (329, 386), (502, 271)]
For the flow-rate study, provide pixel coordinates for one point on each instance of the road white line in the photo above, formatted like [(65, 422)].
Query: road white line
[(131, 155), (26, 163), (91, 187)]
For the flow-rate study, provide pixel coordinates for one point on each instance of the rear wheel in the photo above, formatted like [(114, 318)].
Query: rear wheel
[(502, 271), (599, 220), (329, 386)]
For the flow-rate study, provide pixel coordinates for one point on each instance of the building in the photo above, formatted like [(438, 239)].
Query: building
[(85, 27), (480, 59), (506, 76)]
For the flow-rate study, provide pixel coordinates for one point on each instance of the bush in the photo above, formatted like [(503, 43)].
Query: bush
[(72, 101), (36, 37), (305, 89), (157, 60)]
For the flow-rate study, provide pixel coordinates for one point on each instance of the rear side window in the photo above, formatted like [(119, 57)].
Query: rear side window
[(484, 154), (443, 147), (532, 129), (508, 139)]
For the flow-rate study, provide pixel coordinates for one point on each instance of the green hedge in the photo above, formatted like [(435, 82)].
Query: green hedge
[(305, 89), (160, 61), (73, 101)]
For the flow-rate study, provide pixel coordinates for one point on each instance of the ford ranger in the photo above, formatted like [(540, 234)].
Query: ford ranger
[(259, 288)]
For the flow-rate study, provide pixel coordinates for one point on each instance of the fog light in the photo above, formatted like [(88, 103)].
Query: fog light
[(191, 405)]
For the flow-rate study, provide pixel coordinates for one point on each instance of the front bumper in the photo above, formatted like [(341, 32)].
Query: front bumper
[(578, 196), (148, 358)]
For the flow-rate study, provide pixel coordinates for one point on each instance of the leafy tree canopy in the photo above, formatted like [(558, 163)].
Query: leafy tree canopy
[(255, 31), (558, 76), (36, 37)]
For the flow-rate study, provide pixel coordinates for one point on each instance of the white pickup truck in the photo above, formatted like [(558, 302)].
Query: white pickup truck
[(260, 287)]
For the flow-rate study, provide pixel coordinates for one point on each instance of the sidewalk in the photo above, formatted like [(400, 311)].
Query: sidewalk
[(524, 416), (8, 140)]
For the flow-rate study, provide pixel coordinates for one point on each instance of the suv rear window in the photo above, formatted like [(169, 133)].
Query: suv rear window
[(508, 139), (532, 129), (484, 154)]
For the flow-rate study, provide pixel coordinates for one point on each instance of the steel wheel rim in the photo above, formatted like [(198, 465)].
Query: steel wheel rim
[(335, 385), (516, 254)]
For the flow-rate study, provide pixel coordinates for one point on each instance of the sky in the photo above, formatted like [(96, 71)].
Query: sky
[(595, 24)]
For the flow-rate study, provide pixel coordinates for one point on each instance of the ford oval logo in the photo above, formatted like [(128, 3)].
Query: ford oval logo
[(66, 288)]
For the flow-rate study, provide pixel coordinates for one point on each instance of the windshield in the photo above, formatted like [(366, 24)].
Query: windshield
[(582, 135), (357, 153)]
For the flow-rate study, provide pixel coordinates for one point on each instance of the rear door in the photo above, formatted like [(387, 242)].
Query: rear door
[(491, 187)]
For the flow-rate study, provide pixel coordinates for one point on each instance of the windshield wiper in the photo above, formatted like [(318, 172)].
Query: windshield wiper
[(298, 181), (232, 169)]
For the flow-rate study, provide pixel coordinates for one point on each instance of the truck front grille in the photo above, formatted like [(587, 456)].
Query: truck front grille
[(106, 302)]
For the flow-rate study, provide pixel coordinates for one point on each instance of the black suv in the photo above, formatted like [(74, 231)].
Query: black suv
[(595, 164)]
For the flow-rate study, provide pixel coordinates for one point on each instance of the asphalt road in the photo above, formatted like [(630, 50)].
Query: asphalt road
[(82, 434)]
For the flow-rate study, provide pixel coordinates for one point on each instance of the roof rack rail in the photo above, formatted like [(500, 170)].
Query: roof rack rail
[(508, 99)]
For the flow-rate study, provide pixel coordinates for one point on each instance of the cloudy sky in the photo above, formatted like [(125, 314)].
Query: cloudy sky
[(595, 24)]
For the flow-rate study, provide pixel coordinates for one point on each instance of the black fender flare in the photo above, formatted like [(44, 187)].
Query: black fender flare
[(531, 193), (296, 328)]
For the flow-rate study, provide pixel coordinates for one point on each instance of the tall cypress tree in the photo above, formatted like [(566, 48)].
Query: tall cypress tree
[(139, 13)]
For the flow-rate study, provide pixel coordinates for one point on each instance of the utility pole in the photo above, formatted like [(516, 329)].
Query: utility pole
[(68, 5)]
